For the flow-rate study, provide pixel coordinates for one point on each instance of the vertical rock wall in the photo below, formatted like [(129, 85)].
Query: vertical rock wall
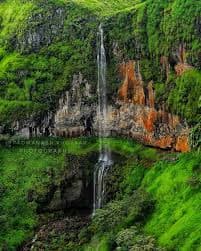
[(139, 119), (133, 115)]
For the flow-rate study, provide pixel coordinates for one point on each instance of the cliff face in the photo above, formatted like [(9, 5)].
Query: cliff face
[(49, 75), (156, 127), (133, 115)]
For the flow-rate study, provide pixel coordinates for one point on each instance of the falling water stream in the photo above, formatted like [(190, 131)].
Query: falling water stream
[(105, 160)]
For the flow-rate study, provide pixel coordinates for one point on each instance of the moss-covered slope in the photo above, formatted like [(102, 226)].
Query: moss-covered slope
[(43, 43), (158, 208), (155, 197)]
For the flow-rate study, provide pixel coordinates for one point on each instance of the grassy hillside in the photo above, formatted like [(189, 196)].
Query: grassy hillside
[(31, 167), (170, 212), (22, 169), (40, 50), (107, 8), (27, 167), (156, 196), (176, 189)]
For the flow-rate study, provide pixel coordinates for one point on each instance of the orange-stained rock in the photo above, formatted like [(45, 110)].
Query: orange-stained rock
[(132, 88), (151, 95), (123, 92), (153, 127), (181, 68), (134, 115), (182, 144), (165, 65), (182, 65), (149, 120), (165, 142)]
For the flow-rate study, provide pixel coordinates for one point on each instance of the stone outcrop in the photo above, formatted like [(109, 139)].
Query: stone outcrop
[(138, 118), (74, 116), (134, 115), (132, 88), (182, 66), (149, 126), (34, 127), (48, 27)]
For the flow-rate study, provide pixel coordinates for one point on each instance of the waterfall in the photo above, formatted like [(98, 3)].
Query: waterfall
[(105, 160)]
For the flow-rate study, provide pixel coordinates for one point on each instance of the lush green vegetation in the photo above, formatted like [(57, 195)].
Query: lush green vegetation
[(156, 195), (167, 207), (38, 69), (108, 8), (30, 166), (33, 165), (37, 63), (22, 170), (186, 96), (175, 185)]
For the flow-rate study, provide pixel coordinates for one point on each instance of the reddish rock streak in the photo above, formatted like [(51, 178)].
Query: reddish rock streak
[(157, 127)]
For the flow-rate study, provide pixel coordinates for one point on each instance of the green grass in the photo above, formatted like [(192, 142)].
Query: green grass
[(14, 14), (107, 8), (21, 170), (98, 245), (186, 96), (15, 110), (177, 215), (25, 166), (171, 181)]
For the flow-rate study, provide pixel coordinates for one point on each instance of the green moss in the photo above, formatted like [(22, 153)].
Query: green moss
[(21, 170), (184, 98), (107, 8), (14, 110), (175, 221), (155, 29), (13, 17)]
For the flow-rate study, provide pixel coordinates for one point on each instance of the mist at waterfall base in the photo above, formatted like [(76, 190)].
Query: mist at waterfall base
[(104, 160)]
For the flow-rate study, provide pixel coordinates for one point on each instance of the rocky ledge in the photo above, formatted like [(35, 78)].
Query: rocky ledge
[(134, 114)]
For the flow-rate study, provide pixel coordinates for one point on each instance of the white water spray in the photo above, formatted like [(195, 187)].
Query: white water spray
[(105, 160)]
